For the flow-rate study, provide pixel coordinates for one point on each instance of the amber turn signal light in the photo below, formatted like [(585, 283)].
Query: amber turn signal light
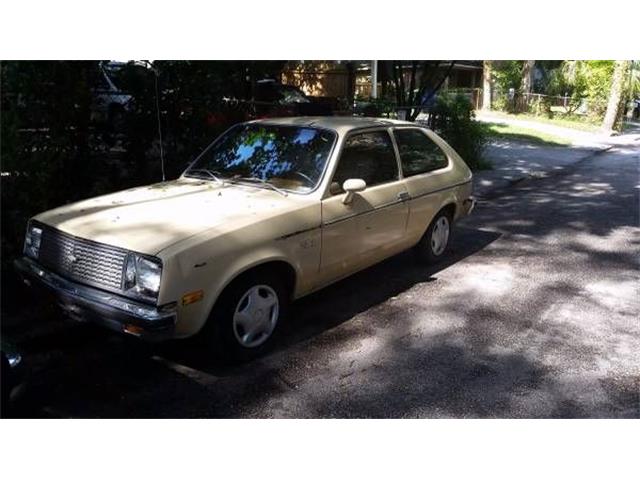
[(192, 297), (133, 329)]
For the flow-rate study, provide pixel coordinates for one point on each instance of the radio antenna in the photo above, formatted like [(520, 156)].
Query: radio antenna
[(156, 75)]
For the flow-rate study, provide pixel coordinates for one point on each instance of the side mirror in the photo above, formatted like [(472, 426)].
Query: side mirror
[(351, 186)]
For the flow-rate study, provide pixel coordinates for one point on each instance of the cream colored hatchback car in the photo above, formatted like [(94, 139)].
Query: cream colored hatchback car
[(271, 211)]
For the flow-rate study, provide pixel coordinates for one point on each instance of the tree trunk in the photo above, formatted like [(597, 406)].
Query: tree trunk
[(615, 95), (486, 85), (527, 76), (526, 84)]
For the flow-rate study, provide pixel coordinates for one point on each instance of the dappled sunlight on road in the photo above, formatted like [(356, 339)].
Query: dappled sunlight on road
[(533, 314), (591, 189), (488, 280), (620, 295)]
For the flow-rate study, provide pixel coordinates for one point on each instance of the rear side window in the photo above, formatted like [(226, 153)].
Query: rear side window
[(369, 156), (418, 153)]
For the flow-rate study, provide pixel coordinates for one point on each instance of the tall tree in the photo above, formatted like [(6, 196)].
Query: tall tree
[(527, 75), (526, 83), (616, 99), (486, 84)]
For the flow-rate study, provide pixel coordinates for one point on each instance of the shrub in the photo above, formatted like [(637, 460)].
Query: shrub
[(376, 107), (453, 118)]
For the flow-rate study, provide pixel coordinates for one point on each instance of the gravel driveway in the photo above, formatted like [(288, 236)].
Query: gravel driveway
[(535, 314)]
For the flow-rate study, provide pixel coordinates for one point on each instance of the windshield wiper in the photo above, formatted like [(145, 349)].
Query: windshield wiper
[(261, 181), (197, 171)]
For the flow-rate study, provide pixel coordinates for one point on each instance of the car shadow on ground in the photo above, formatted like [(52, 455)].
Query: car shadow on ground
[(91, 372), (339, 302)]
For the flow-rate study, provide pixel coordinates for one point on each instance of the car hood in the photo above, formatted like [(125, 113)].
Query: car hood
[(149, 219)]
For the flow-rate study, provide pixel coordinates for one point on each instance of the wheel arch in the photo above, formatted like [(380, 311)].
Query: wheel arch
[(280, 265), (283, 269), (451, 207)]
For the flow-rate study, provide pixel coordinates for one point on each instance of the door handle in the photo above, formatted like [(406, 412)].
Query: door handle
[(404, 196)]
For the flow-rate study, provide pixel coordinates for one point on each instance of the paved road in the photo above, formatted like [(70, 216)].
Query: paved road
[(534, 315), (515, 160)]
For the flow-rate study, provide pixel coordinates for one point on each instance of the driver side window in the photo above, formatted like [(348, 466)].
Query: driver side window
[(369, 156)]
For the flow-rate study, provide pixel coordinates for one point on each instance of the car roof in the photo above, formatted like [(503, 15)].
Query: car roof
[(340, 124)]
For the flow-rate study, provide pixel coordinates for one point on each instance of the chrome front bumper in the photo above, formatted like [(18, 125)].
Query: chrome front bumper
[(85, 303)]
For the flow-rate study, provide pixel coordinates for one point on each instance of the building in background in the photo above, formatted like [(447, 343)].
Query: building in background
[(345, 79)]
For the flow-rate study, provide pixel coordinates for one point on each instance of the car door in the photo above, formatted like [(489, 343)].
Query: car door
[(428, 175), (372, 226)]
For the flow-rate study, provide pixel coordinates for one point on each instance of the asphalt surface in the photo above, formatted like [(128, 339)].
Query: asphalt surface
[(534, 314), (515, 160)]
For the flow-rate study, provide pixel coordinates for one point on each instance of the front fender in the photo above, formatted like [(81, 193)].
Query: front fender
[(190, 273)]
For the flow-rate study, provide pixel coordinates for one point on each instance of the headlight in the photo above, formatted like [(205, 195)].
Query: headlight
[(32, 241), (142, 276)]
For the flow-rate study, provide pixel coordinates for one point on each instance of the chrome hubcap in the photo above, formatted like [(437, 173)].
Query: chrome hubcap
[(440, 235), (255, 316)]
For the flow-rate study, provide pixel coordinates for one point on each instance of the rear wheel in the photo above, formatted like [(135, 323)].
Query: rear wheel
[(247, 317), (435, 241)]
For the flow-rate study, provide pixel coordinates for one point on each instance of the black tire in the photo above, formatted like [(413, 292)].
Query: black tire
[(425, 248), (222, 334)]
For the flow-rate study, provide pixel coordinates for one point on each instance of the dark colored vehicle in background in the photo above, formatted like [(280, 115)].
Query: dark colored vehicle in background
[(268, 99), (274, 99)]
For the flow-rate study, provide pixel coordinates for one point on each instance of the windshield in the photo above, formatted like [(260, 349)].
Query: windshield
[(287, 157)]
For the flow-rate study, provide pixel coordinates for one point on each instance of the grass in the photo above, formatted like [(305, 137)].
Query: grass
[(511, 132), (575, 122)]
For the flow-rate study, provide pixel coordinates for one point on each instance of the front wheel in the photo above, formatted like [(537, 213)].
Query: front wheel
[(246, 318), (435, 241)]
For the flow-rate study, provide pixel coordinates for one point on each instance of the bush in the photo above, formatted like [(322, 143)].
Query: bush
[(374, 107), (453, 118), (507, 74)]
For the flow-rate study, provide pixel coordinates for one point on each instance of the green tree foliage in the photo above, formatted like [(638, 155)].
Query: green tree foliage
[(507, 74), (453, 118), (588, 80), (586, 83)]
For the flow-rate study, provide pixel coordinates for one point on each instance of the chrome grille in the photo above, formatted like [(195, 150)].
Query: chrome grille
[(82, 260)]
